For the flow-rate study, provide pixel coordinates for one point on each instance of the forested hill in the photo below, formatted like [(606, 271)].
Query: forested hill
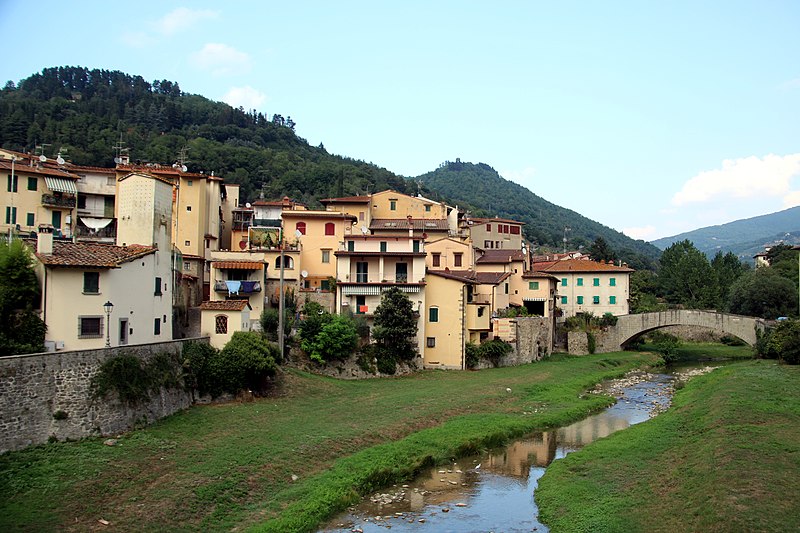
[(86, 113), (480, 189)]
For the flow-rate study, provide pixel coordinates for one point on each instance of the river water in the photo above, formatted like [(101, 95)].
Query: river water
[(494, 491)]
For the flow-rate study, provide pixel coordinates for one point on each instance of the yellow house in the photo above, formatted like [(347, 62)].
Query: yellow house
[(239, 276), (393, 205), (358, 206), (495, 233), (511, 261), (590, 286), (446, 252), (455, 314), (220, 319), (539, 293), (35, 192)]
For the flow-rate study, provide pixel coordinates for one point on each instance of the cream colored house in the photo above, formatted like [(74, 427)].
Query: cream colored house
[(220, 319), (446, 252), (513, 262), (590, 287), (495, 233), (240, 276), (456, 314), (538, 293), (369, 264)]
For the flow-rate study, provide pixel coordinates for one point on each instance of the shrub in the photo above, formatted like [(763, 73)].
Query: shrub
[(198, 359), (132, 380), (336, 341), (269, 323), (315, 320), (591, 342), (494, 350), (730, 340), (472, 355), (667, 345), (608, 319), (784, 342), (396, 325), (244, 363), (387, 361)]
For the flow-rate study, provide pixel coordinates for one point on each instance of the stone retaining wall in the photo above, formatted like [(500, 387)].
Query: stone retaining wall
[(35, 387)]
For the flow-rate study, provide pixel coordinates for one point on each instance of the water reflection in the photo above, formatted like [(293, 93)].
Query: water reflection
[(494, 491)]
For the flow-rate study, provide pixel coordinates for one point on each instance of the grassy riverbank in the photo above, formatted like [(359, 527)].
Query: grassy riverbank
[(229, 466), (726, 457)]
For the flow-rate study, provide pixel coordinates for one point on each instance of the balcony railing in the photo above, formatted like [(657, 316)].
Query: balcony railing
[(58, 201), (237, 287)]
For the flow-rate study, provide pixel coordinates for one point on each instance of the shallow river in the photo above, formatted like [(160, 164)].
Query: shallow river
[(494, 491)]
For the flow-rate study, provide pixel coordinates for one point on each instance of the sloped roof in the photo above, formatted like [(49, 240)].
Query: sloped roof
[(580, 265), (500, 256), (92, 255), (538, 275), (421, 224), (490, 220), (224, 305), (470, 276), (346, 200)]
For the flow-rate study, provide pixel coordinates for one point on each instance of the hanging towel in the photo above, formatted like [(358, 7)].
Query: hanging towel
[(233, 287)]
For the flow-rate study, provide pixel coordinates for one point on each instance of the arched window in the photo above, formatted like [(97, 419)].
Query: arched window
[(301, 227), (221, 324), (330, 228), (287, 262)]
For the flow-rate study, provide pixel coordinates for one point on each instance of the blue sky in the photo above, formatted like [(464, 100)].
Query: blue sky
[(650, 117)]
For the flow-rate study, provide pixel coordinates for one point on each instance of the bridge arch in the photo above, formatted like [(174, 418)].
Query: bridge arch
[(629, 327)]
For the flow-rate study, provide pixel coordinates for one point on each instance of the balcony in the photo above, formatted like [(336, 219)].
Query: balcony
[(52, 200), (237, 287), (109, 233)]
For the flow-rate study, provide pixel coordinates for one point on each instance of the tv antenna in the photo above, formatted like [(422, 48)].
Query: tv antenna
[(364, 230), (119, 150), (566, 229)]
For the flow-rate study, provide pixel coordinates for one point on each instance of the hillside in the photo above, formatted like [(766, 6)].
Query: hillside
[(481, 190), (86, 113), (744, 237)]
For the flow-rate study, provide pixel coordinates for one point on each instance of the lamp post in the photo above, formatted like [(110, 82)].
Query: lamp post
[(108, 307)]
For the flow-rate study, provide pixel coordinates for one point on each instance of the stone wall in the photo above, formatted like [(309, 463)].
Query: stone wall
[(35, 387), (531, 338)]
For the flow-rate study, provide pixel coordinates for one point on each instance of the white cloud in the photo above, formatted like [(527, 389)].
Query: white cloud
[(749, 177), (246, 97), (644, 232), (182, 19), (221, 59), (791, 200)]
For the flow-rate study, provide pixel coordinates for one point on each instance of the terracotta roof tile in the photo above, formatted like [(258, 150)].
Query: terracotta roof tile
[(421, 224), (346, 200), (92, 255), (580, 265), (225, 305), (470, 276), (501, 256)]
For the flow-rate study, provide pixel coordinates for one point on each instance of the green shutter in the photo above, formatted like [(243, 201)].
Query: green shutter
[(595, 300), (580, 282), (612, 300), (533, 285), (563, 282), (612, 282), (433, 314), (564, 300), (580, 300), (596, 282)]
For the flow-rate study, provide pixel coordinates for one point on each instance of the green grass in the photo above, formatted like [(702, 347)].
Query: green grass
[(726, 457), (228, 466)]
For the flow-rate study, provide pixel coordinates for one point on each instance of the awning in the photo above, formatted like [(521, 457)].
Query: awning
[(240, 265), (61, 185), (361, 290), (524, 299), (96, 223)]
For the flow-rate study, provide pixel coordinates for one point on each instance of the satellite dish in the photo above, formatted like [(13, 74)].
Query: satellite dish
[(304, 273), (298, 233), (60, 160), (364, 230), (118, 160), (43, 158), (184, 168), (247, 205)]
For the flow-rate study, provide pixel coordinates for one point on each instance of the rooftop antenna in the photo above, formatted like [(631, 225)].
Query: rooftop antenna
[(119, 150), (566, 229), (40, 148), (60, 160), (182, 158)]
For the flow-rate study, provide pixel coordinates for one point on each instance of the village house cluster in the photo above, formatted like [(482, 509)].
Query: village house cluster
[(146, 253)]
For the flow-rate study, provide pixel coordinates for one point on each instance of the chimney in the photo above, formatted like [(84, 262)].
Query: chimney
[(44, 239), (410, 226)]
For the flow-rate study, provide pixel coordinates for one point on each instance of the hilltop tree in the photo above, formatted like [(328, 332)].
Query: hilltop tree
[(601, 251), (685, 277)]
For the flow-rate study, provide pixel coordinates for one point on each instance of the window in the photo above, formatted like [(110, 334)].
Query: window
[(579, 282), (580, 300), (383, 246), (506, 288), (361, 305), (111, 180), (301, 227), (81, 201), (187, 243), (596, 282), (393, 205), (457, 259), (564, 300), (362, 271), (158, 287), (488, 227), (189, 183), (187, 266), (288, 263), (11, 215), (533, 285), (563, 282), (330, 228), (30, 220), (221, 324), (91, 282), (351, 246), (415, 247), (33, 183), (56, 219), (514, 230), (488, 244), (612, 300), (430, 342), (595, 300), (90, 327), (326, 256), (13, 181), (481, 310), (361, 216), (188, 208), (325, 285), (436, 259), (157, 326), (427, 209), (433, 314), (612, 282)]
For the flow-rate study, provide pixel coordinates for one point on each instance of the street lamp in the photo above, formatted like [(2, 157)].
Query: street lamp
[(108, 307)]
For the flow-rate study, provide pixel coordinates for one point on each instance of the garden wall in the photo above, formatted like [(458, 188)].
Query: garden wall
[(35, 387)]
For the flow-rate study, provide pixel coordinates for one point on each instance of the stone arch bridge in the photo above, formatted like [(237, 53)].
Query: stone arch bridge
[(629, 327)]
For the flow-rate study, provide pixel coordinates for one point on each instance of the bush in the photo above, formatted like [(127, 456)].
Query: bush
[(591, 342), (198, 359), (472, 355), (244, 363), (269, 323), (730, 340), (387, 361), (133, 380), (494, 350), (784, 342), (336, 341), (667, 345)]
